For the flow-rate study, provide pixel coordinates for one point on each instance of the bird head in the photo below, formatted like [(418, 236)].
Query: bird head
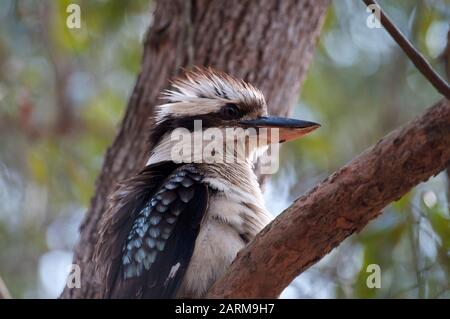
[(208, 100)]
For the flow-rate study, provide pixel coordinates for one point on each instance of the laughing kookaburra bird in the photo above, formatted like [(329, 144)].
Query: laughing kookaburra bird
[(175, 227)]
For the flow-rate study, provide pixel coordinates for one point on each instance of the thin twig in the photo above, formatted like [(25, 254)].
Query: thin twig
[(415, 56)]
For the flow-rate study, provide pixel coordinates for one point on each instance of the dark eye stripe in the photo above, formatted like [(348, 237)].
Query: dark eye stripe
[(169, 123)]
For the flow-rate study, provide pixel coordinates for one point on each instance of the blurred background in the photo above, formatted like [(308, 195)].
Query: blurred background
[(63, 92)]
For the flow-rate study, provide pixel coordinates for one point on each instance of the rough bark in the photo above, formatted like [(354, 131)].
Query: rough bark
[(268, 43), (339, 206)]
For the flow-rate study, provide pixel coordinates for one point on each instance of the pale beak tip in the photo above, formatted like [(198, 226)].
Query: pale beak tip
[(312, 126)]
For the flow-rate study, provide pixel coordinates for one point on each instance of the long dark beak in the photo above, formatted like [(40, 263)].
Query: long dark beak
[(289, 129)]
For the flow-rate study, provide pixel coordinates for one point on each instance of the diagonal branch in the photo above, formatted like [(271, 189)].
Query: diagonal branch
[(415, 56), (339, 206)]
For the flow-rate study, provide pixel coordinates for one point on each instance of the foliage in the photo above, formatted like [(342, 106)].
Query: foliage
[(63, 92)]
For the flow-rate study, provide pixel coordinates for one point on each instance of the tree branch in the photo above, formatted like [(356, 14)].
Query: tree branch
[(445, 58), (339, 206), (415, 56)]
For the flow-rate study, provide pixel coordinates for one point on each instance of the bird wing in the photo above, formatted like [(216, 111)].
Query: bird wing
[(159, 236)]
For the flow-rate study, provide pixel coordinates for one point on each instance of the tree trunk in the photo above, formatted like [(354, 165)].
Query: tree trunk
[(268, 43)]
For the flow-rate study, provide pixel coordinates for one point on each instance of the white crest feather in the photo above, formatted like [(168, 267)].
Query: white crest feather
[(203, 91)]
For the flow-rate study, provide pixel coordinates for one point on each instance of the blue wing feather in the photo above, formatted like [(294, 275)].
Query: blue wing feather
[(161, 238)]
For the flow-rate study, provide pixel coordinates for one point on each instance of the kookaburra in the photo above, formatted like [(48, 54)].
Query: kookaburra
[(174, 228)]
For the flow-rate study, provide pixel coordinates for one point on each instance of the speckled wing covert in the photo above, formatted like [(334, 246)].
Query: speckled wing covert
[(156, 241)]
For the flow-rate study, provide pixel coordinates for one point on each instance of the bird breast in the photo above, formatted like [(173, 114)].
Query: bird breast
[(235, 215)]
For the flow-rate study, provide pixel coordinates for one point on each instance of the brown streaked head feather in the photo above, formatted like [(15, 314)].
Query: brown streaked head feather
[(205, 90)]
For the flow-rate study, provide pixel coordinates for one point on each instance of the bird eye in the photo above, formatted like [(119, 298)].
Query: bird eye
[(230, 111)]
